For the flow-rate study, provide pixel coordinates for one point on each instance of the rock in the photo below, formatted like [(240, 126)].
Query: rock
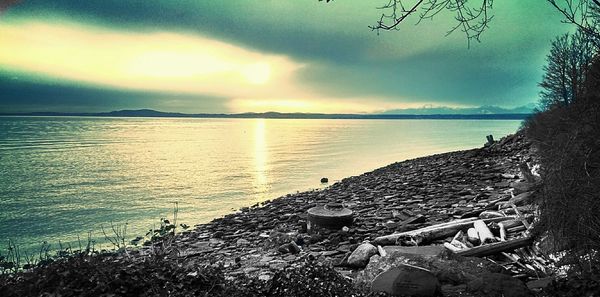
[(407, 280), (284, 248), (265, 277), (330, 253), (489, 214), (498, 285), (361, 255), (414, 220), (218, 234), (448, 268), (540, 284), (324, 180), (278, 264), (242, 242), (293, 247)]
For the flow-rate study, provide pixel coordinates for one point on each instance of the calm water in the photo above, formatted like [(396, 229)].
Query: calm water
[(63, 177)]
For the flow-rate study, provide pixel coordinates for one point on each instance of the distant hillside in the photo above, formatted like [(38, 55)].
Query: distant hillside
[(278, 115)]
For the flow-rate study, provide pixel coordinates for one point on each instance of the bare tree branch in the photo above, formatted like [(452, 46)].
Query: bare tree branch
[(473, 16), (471, 20)]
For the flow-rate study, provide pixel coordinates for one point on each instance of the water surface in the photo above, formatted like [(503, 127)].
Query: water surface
[(64, 176)]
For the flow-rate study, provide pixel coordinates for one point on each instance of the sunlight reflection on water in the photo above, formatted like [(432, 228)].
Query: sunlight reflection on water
[(60, 177)]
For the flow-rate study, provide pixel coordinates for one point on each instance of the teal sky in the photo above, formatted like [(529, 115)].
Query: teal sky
[(267, 55)]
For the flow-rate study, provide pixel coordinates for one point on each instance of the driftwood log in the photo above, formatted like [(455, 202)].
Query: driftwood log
[(484, 233), (434, 232), (473, 237), (495, 248), (502, 231)]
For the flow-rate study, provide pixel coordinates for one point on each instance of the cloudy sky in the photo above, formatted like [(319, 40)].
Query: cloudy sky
[(262, 55)]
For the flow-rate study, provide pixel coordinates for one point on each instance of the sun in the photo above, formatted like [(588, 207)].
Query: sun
[(257, 73)]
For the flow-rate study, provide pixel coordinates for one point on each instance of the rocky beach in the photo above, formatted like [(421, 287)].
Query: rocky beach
[(263, 244), (261, 240)]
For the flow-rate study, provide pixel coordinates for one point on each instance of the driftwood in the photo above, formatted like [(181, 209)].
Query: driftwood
[(490, 140), (502, 231), (529, 177), (459, 235), (451, 247), (458, 244), (434, 232), (472, 236), (485, 235), (516, 229), (495, 248), (512, 223)]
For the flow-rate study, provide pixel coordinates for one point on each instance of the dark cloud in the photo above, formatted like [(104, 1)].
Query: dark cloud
[(344, 58), (441, 76), (268, 29), (25, 95)]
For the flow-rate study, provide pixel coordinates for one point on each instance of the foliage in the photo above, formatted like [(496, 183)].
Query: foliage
[(310, 279), (568, 142), (108, 275), (575, 286), (567, 64)]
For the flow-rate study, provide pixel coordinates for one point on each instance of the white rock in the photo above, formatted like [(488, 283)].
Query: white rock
[(361, 255)]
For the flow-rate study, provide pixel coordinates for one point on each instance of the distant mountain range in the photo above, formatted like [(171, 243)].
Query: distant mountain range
[(487, 109), (484, 112)]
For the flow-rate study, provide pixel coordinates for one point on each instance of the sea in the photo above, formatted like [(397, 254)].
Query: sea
[(64, 179)]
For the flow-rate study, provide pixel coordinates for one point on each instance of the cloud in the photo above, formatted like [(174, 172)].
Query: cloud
[(20, 93), (282, 54), (169, 62), (157, 61)]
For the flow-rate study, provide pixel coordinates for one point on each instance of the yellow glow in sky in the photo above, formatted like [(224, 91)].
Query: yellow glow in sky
[(161, 61), (167, 62)]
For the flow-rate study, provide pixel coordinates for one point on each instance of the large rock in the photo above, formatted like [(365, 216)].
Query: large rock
[(361, 255), (407, 280), (448, 268), (498, 285)]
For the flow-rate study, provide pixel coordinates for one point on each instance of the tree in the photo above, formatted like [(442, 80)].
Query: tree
[(585, 14), (568, 61), (472, 20), (473, 16)]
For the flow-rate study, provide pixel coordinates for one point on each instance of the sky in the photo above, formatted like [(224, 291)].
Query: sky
[(235, 56)]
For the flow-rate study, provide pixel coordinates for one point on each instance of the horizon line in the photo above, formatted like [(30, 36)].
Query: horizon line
[(270, 115)]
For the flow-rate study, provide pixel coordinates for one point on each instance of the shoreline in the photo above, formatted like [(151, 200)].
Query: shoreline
[(438, 187), (253, 248)]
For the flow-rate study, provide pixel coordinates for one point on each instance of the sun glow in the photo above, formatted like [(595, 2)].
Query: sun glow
[(257, 73), (157, 61), (167, 62)]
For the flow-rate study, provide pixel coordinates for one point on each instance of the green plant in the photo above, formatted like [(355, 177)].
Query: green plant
[(117, 237), (161, 238)]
